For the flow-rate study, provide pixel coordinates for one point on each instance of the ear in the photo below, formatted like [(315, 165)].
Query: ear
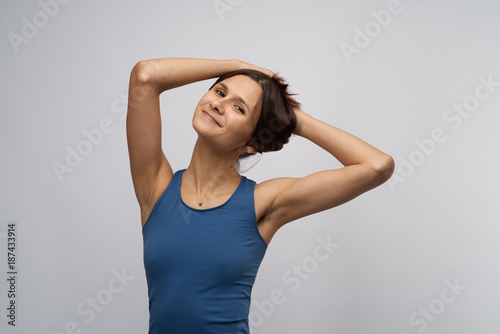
[(249, 148)]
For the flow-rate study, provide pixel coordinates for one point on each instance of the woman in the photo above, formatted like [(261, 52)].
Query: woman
[(207, 228)]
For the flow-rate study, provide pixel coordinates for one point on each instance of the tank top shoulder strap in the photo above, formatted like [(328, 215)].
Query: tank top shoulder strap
[(175, 183), (245, 190)]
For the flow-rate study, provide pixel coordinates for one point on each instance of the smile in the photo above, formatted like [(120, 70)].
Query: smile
[(210, 118)]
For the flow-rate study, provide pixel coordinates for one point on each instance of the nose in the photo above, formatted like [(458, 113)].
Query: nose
[(217, 106)]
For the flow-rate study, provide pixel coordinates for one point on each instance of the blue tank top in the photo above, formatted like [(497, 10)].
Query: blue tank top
[(201, 264)]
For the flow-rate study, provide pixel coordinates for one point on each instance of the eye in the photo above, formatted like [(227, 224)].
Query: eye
[(240, 109), (221, 93)]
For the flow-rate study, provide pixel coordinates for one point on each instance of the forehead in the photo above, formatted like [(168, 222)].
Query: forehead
[(244, 87)]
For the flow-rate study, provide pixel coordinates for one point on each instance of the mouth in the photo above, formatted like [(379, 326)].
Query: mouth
[(210, 118)]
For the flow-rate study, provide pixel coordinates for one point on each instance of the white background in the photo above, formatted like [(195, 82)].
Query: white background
[(435, 221)]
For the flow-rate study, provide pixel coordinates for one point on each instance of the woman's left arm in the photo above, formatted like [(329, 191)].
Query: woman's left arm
[(365, 168)]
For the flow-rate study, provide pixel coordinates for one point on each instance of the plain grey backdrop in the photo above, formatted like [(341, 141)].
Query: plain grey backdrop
[(417, 79)]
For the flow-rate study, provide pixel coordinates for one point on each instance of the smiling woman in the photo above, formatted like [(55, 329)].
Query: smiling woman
[(222, 105), (274, 115), (206, 228)]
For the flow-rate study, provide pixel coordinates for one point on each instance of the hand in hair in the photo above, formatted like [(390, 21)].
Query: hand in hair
[(249, 66), (299, 114)]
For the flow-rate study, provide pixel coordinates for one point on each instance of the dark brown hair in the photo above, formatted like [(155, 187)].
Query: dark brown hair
[(277, 120)]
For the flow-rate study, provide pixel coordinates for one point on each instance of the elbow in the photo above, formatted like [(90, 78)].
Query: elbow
[(384, 168), (140, 74)]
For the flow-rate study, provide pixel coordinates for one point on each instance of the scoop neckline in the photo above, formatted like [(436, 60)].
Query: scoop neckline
[(209, 209)]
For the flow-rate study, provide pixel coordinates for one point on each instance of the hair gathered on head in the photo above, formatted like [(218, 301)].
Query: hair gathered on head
[(277, 119)]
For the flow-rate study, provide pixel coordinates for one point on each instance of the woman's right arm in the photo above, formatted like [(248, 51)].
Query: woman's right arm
[(151, 171), (168, 73)]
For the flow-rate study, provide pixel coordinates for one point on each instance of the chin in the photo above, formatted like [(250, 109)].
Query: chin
[(203, 129)]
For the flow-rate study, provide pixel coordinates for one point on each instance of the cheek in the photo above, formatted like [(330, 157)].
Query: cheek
[(205, 98), (203, 101), (246, 129)]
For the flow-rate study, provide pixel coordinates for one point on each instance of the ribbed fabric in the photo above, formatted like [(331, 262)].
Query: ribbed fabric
[(201, 264)]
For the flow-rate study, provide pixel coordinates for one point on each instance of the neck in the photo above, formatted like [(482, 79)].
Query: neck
[(211, 171)]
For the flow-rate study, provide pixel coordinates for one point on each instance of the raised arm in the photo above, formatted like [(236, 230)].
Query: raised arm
[(151, 171), (168, 73), (366, 167)]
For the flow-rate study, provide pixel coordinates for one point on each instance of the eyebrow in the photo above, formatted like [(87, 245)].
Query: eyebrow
[(239, 98)]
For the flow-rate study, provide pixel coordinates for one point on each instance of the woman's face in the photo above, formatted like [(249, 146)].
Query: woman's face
[(226, 116)]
